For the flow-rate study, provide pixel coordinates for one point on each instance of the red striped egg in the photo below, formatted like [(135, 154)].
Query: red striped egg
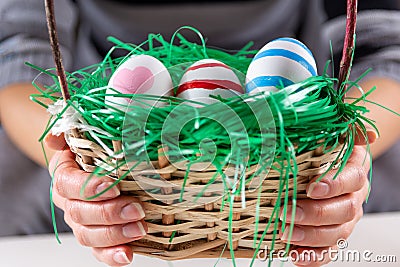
[(209, 77)]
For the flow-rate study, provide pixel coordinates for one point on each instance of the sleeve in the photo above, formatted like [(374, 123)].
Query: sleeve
[(378, 37), (24, 37)]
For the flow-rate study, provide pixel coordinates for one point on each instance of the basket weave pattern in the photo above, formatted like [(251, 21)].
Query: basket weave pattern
[(201, 231)]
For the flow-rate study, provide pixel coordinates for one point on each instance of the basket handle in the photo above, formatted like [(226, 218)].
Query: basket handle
[(345, 63), (55, 47), (348, 46)]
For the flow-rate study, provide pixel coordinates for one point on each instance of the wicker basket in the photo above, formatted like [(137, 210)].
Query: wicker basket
[(203, 230)]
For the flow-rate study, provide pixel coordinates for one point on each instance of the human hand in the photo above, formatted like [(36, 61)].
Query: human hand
[(105, 223), (332, 209)]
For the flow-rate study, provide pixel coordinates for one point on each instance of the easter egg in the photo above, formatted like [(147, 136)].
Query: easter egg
[(139, 74), (209, 77), (278, 64)]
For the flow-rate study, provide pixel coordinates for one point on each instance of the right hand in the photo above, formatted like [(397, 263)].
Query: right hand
[(105, 223)]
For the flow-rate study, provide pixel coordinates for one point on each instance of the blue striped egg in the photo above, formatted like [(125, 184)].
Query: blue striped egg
[(278, 64)]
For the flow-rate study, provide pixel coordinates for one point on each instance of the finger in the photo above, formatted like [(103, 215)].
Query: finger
[(351, 179), (332, 211), (311, 257), (107, 236), (55, 142), (69, 179), (58, 200), (120, 210), (319, 236), (114, 256), (361, 138)]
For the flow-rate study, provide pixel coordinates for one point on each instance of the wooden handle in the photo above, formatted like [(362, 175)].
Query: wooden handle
[(55, 47), (348, 47)]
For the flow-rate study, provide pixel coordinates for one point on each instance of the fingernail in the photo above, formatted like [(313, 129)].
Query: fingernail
[(110, 193), (121, 257), (132, 230), (133, 211), (373, 135), (298, 216), (318, 189), (297, 234)]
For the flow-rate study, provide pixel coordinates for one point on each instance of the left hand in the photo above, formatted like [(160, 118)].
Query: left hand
[(106, 223), (332, 209)]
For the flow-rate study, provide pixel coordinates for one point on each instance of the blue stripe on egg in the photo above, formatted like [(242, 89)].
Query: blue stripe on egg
[(291, 40), (280, 63), (289, 55), (264, 81)]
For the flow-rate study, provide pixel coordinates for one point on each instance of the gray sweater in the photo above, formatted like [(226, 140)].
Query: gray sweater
[(84, 25)]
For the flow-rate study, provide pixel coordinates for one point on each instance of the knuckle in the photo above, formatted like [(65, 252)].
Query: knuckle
[(110, 236), (74, 211), (364, 192), (340, 186), (352, 209), (345, 232), (318, 237), (81, 235), (320, 212), (58, 200), (359, 215), (58, 203), (360, 176), (105, 214), (323, 237), (59, 182), (53, 164), (67, 219)]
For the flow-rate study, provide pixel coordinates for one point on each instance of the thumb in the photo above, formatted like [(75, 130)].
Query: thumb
[(55, 142), (362, 138)]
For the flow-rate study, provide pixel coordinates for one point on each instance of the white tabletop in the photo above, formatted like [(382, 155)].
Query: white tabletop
[(376, 236)]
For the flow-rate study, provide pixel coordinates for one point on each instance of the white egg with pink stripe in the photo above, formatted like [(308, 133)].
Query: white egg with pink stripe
[(139, 74), (209, 77)]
